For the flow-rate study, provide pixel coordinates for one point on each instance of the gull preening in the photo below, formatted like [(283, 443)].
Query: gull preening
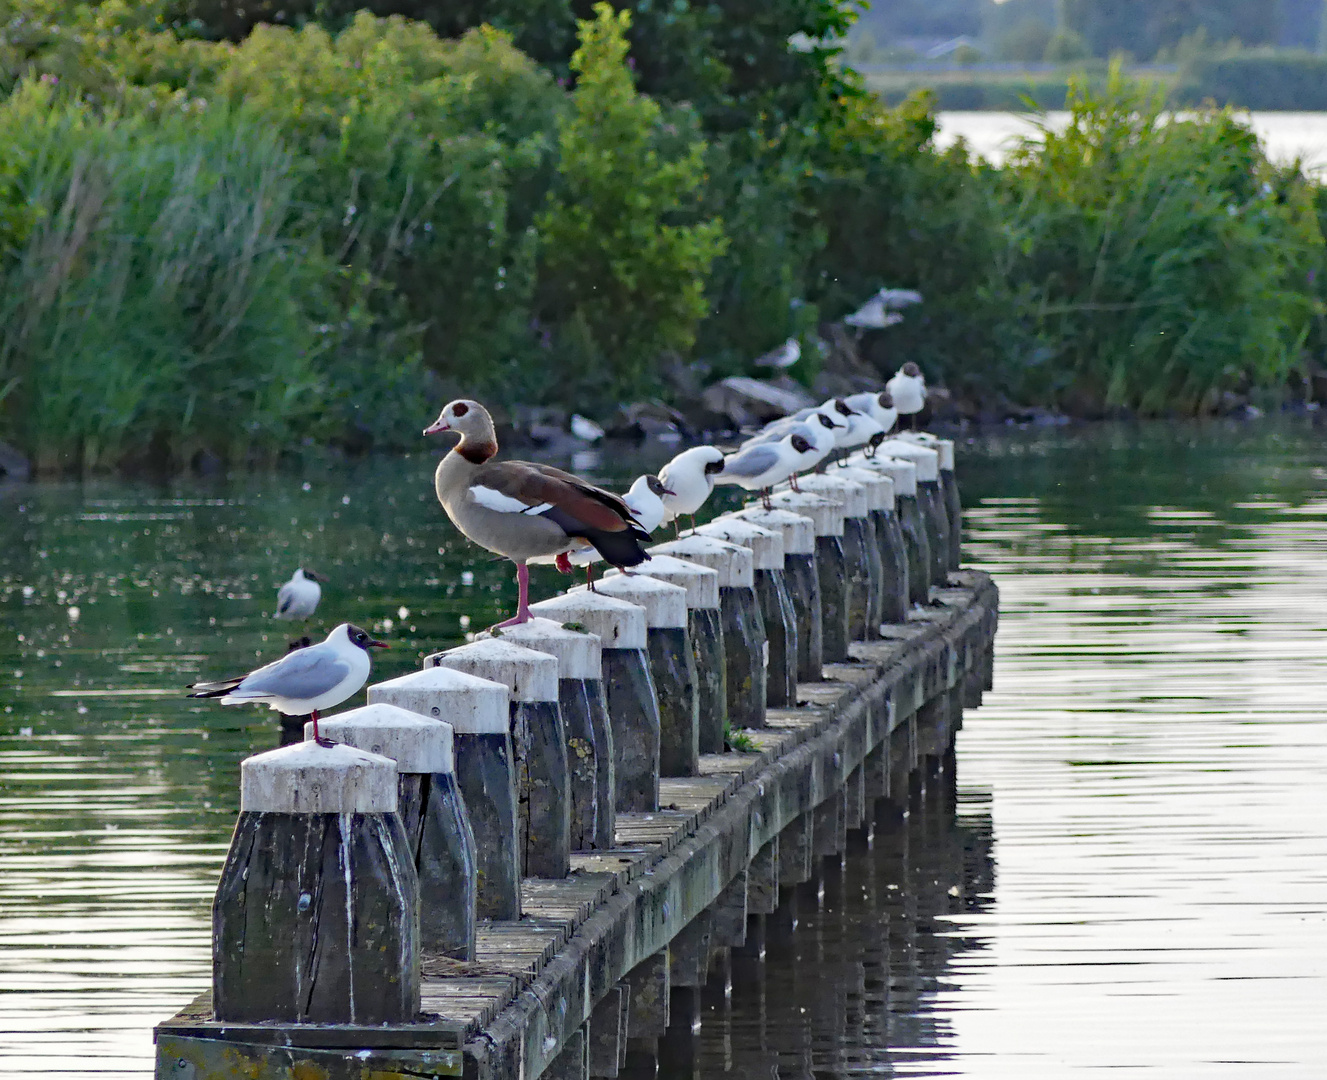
[(298, 598), (522, 510), (761, 466), (690, 477), (305, 681)]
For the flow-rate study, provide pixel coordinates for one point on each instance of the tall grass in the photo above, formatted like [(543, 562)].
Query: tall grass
[(1167, 260), (156, 297)]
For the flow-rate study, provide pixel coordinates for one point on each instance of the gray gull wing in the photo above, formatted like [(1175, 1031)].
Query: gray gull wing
[(302, 674)]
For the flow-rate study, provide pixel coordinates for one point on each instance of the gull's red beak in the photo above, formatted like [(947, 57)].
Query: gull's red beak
[(438, 425), (669, 491), (377, 645)]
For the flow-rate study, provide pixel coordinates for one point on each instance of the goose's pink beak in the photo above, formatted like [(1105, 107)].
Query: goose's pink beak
[(438, 425)]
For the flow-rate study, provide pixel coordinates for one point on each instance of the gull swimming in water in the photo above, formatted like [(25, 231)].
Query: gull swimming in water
[(305, 681), (298, 598)]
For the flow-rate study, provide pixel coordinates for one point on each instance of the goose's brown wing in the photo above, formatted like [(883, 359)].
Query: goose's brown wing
[(541, 486)]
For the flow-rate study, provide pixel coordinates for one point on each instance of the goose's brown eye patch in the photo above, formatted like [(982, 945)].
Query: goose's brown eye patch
[(460, 409)]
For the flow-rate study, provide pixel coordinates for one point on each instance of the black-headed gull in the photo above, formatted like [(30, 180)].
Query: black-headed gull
[(304, 682), (908, 389), (298, 598), (760, 467), (690, 478)]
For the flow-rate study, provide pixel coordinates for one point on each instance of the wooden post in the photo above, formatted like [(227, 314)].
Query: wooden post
[(889, 533), (831, 573), (432, 811), (633, 706), (672, 665), (802, 587), (859, 543), (912, 524), (477, 710), (743, 626), (316, 917), (776, 605), (543, 796), (585, 725), (705, 629), (929, 499), (888, 587), (953, 503)]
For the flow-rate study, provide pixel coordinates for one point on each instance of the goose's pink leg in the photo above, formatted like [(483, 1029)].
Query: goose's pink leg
[(522, 598)]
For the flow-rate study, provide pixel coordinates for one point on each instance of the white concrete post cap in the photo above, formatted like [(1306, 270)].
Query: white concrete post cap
[(620, 625), (826, 514), (927, 460), (578, 652), (846, 491), (416, 743), (878, 487), (665, 604), (305, 778), (529, 675), (700, 582), (799, 531), (473, 706), (735, 565), (945, 447), (766, 545), (903, 473)]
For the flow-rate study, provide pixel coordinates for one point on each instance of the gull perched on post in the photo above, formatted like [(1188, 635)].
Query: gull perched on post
[(690, 478), (305, 681), (908, 389), (760, 467)]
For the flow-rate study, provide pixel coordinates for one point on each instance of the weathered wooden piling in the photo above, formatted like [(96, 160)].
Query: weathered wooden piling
[(859, 543), (432, 811), (316, 917), (705, 631), (477, 710), (672, 665), (949, 490), (744, 642), (802, 583), (832, 577), (912, 524), (890, 590), (889, 532), (543, 795), (935, 516), (776, 606), (585, 725), (633, 706)]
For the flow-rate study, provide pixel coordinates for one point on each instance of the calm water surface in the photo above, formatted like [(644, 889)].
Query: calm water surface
[(1287, 135), (1130, 875)]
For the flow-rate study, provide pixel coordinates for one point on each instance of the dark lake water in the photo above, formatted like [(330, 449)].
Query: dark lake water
[(1130, 875)]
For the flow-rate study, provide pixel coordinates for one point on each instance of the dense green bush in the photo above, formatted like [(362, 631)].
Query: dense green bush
[(624, 280), (1169, 261)]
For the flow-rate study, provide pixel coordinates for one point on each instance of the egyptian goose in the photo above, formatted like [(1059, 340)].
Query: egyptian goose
[(908, 389), (690, 477), (760, 467), (522, 510), (305, 681), (298, 598)]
